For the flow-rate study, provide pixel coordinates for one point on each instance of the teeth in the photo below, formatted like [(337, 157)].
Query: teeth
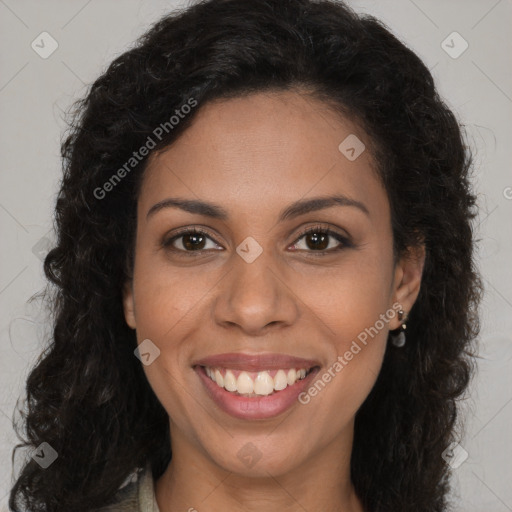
[(244, 383), (254, 384), (280, 380), (230, 381), (219, 379), (263, 384)]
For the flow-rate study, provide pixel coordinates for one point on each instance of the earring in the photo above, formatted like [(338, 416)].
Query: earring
[(398, 340)]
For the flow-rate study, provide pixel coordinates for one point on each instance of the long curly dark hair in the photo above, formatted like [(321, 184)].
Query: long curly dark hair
[(88, 396)]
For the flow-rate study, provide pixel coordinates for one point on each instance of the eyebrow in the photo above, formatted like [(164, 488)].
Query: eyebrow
[(294, 210)]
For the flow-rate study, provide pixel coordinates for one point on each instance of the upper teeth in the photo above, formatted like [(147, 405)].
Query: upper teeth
[(259, 383)]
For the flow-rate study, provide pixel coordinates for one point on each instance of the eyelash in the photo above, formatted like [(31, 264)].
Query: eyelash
[(345, 243)]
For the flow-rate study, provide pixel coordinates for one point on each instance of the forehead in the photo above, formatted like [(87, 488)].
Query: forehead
[(255, 151)]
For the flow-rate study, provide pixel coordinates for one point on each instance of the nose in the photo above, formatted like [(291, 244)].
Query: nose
[(256, 296)]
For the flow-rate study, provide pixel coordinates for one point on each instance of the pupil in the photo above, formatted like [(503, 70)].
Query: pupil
[(191, 240), (320, 241)]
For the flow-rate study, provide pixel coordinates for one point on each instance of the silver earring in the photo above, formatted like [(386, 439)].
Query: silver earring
[(398, 339)]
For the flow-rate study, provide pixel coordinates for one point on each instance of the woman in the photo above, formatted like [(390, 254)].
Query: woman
[(265, 294)]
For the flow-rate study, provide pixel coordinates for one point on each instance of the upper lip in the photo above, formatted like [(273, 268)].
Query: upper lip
[(255, 362)]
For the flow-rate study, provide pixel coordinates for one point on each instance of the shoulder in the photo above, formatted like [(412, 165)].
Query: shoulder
[(136, 495)]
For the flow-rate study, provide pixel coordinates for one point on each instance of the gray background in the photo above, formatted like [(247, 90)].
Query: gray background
[(35, 93)]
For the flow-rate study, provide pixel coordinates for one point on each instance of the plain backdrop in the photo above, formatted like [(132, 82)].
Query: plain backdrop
[(35, 92)]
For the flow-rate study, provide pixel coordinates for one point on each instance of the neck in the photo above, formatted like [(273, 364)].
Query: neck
[(192, 481)]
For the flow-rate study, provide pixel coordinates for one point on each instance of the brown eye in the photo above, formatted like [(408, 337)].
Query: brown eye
[(321, 240), (317, 241), (190, 241), (193, 241)]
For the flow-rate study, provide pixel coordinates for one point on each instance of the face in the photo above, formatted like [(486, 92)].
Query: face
[(251, 300)]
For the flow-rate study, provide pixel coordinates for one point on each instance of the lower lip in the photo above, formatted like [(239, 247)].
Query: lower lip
[(255, 408)]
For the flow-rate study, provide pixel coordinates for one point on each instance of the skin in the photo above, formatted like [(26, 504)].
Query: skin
[(254, 156)]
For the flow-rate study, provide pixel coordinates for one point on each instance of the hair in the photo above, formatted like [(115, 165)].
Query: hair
[(87, 395)]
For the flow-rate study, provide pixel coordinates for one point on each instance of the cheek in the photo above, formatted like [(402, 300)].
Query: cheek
[(349, 298), (166, 296), (357, 315), (166, 313), (353, 303), (166, 304)]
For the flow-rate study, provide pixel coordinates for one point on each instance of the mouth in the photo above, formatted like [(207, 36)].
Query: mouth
[(255, 386)]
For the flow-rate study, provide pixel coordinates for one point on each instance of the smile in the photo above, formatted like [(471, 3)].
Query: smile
[(255, 386), (252, 384)]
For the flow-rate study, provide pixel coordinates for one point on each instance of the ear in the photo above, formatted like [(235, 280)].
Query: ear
[(407, 281), (129, 304)]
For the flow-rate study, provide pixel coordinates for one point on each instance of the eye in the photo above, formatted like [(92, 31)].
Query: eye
[(321, 240), (190, 240), (317, 239)]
